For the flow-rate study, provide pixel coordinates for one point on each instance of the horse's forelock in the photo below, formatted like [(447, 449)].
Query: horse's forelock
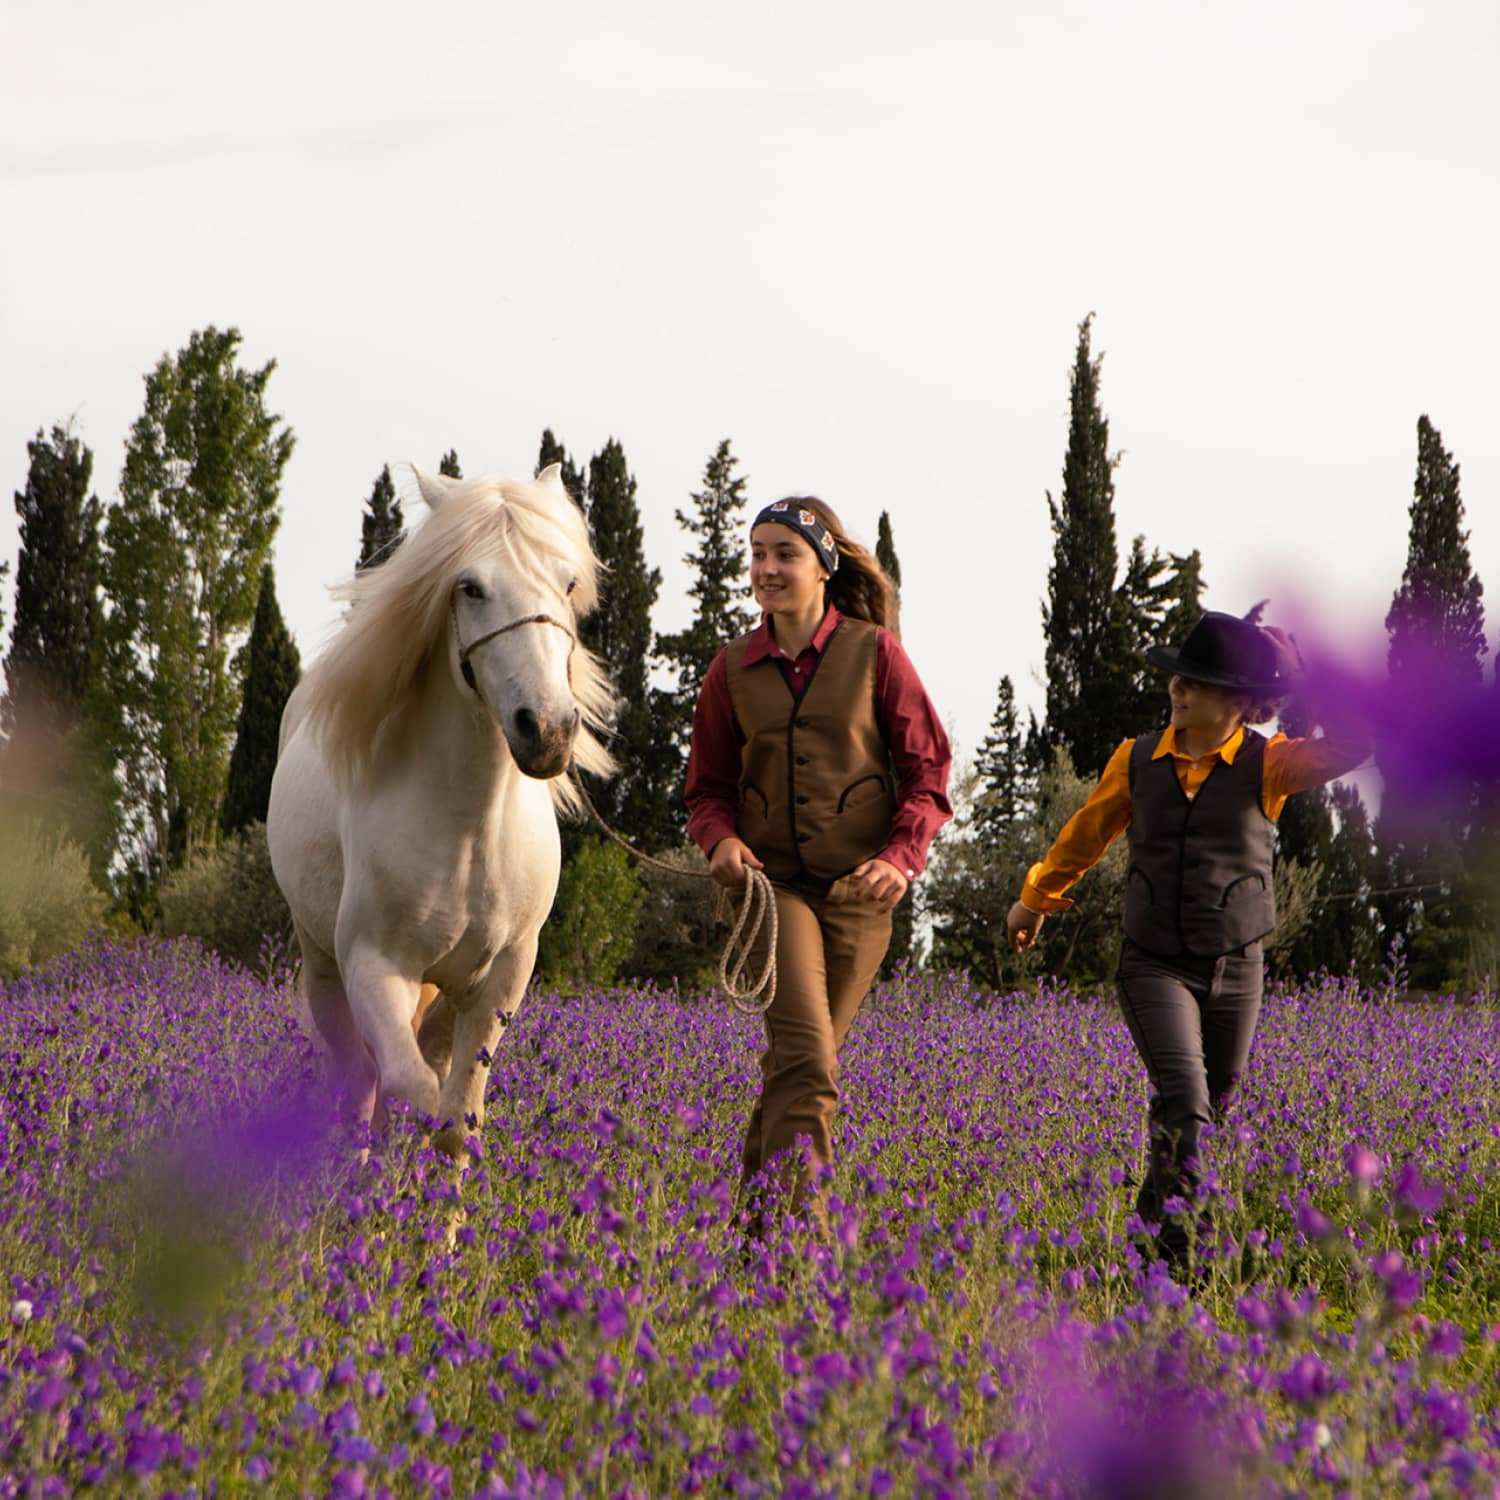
[(396, 613)]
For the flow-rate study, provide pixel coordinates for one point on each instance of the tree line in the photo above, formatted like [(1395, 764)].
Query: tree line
[(149, 663)]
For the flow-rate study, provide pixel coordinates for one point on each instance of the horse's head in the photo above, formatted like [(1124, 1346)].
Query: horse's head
[(512, 632)]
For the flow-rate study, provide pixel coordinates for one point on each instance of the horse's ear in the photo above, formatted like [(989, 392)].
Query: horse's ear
[(434, 488), (552, 474)]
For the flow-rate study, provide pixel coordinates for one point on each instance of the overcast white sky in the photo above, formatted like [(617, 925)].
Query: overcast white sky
[(856, 240)]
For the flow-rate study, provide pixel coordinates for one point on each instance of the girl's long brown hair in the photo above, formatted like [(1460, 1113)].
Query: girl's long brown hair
[(860, 587)]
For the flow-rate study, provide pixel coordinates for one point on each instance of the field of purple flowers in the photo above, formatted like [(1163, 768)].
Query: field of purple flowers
[(207, 1294)]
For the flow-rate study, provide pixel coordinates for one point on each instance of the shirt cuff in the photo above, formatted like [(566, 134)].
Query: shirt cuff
[(902, 858), (1033, 898), (712, 829)]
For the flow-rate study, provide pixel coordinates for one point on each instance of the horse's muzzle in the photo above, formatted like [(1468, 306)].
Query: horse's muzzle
[(542, 745)]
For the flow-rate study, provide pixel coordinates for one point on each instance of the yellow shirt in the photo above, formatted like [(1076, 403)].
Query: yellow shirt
[(1290, 766)]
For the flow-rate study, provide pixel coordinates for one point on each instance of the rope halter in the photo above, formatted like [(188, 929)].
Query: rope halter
[(465, 652)]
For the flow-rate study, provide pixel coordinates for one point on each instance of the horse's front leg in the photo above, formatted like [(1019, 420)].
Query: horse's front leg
[(384, 1003), (477, 1027)]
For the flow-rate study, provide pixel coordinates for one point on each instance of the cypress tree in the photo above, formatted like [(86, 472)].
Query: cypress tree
[(1436, 619), (553, 452), (643, 801), (1437, 646), (274, 667), (448, 465), (57, 607), (885, 549), (184, 548), (718, 564), (382, 526), (1082, 621)]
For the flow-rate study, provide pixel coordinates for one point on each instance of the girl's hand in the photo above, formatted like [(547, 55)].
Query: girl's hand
[(729, 861), (879, 882), (1021, 926)]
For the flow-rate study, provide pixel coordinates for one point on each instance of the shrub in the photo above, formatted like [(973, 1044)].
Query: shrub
[(228, 897), (47, 901), (681, 927), (592, 927)]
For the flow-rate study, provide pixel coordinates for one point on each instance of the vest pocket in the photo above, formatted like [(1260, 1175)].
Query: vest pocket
[(754, 811), (859, 793), (1138, 877), (1246, 888)]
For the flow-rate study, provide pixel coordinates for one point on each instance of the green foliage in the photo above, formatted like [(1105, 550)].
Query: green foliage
[(1436, 619), (57, 606), (1087, 642), (978, 870), (718, 564), (885, 549), (591, 931), (1436, 630), (382, 526), (183, 555), (48, 903), (679, 931), (644, 801), (275, 665), (228, 897), (448, 465)]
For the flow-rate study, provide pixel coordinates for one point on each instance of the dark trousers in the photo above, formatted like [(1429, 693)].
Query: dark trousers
[(1192, 1021), (829, 947)]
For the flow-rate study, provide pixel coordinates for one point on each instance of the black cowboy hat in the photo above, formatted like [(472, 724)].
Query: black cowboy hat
[(1224, 651)]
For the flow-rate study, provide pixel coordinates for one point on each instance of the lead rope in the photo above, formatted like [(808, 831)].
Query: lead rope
[(757, 909)]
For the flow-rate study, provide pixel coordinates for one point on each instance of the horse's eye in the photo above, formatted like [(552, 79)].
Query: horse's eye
[(572, 584), (470, 589)]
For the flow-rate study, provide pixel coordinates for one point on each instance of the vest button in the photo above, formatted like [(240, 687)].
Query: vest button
[(802, 838), (801, 760), (801, 723), (802, 801)]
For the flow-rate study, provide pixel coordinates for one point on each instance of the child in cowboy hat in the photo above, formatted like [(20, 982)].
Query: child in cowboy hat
[(1200, 799)]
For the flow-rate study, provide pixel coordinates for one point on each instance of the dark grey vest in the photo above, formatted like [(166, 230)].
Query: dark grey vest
[(1200, 869)]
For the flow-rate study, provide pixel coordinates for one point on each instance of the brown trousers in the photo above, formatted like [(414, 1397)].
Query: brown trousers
[(828, 950)]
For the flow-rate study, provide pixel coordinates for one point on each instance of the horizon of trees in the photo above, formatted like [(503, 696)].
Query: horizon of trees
[(149, 662)]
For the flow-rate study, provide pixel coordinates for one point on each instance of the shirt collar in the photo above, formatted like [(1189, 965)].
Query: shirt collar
[(763, 644), (1167, 745)]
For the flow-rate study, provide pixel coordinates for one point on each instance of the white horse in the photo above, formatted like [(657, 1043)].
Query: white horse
[(413, 823)]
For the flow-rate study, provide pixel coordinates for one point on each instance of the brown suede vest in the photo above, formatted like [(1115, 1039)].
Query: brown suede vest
[(816, 791), (1200, 870)]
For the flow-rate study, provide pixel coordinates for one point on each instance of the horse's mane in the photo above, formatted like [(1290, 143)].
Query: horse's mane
[(396, 617)]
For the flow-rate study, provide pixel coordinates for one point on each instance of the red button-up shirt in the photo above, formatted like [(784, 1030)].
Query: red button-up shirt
[(908, 723)]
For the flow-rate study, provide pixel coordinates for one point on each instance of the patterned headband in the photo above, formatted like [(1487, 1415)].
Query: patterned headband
[(801, 520)]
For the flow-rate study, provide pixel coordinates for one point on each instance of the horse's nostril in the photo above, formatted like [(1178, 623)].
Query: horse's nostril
[(526, 725)]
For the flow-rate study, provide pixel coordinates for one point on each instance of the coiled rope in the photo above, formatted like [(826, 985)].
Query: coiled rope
[(757, 909)]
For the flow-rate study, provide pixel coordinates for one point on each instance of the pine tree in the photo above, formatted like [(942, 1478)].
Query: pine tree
[(553, 452), (273, 668), (1083, 622), (643, 801), (57, 607), (718, 564), (448, 465), (382, 526), (1006, 787), (184, 550), (1183, 598)]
